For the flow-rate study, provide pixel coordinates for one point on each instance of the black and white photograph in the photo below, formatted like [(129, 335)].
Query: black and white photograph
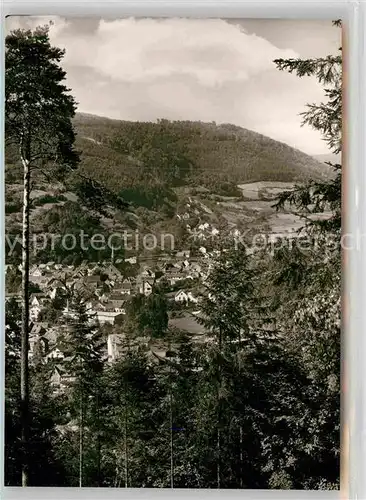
[(173, 253)]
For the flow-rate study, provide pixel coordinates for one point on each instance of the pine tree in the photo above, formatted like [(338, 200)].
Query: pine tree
[(310, 320), (85, 350), (181, 380), (229, 314), (147, 315), (131, 420), (38, 113), (326, 118)]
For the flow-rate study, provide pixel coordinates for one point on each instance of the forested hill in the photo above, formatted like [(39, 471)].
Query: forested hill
[(155, 169), (124, 155)]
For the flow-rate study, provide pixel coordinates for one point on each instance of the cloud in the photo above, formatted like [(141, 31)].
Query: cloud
[(58, 24), (211, 51), (189, 69)]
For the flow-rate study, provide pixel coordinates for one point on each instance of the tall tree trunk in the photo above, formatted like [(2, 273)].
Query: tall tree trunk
[(241, 455), (81, 440), (24, 370), (98, 439), (125, 435), (240, 432), (218, 470), (219, 415), (171, 430)]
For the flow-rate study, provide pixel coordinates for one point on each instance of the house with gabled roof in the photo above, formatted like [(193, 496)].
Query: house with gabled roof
[(39, 328), (41, 281), (117, 300), (147, 272), (61, 379), (174, 276), (179, 297), (80, 272), (113, 273), (145, 286), (55, 354), (182, 297), (93, 280), (35, 270), (109, 317), (37, 302), (111, 305), (93, 268), (53, 286), (126, 286)]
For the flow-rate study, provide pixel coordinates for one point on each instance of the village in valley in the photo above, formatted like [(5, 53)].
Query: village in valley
[(108, 287), (107, 291)]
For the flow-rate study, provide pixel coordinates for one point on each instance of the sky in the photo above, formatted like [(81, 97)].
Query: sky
[(194, 69)]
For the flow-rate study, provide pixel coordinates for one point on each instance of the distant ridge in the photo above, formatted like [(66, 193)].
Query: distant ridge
[(220, 154), (323, 158)]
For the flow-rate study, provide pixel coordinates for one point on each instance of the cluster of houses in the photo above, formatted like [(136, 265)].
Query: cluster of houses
[(108, 291), (109, 286)]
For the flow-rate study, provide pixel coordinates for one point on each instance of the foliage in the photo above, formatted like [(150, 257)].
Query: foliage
[(147, 315), (38, 113)]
